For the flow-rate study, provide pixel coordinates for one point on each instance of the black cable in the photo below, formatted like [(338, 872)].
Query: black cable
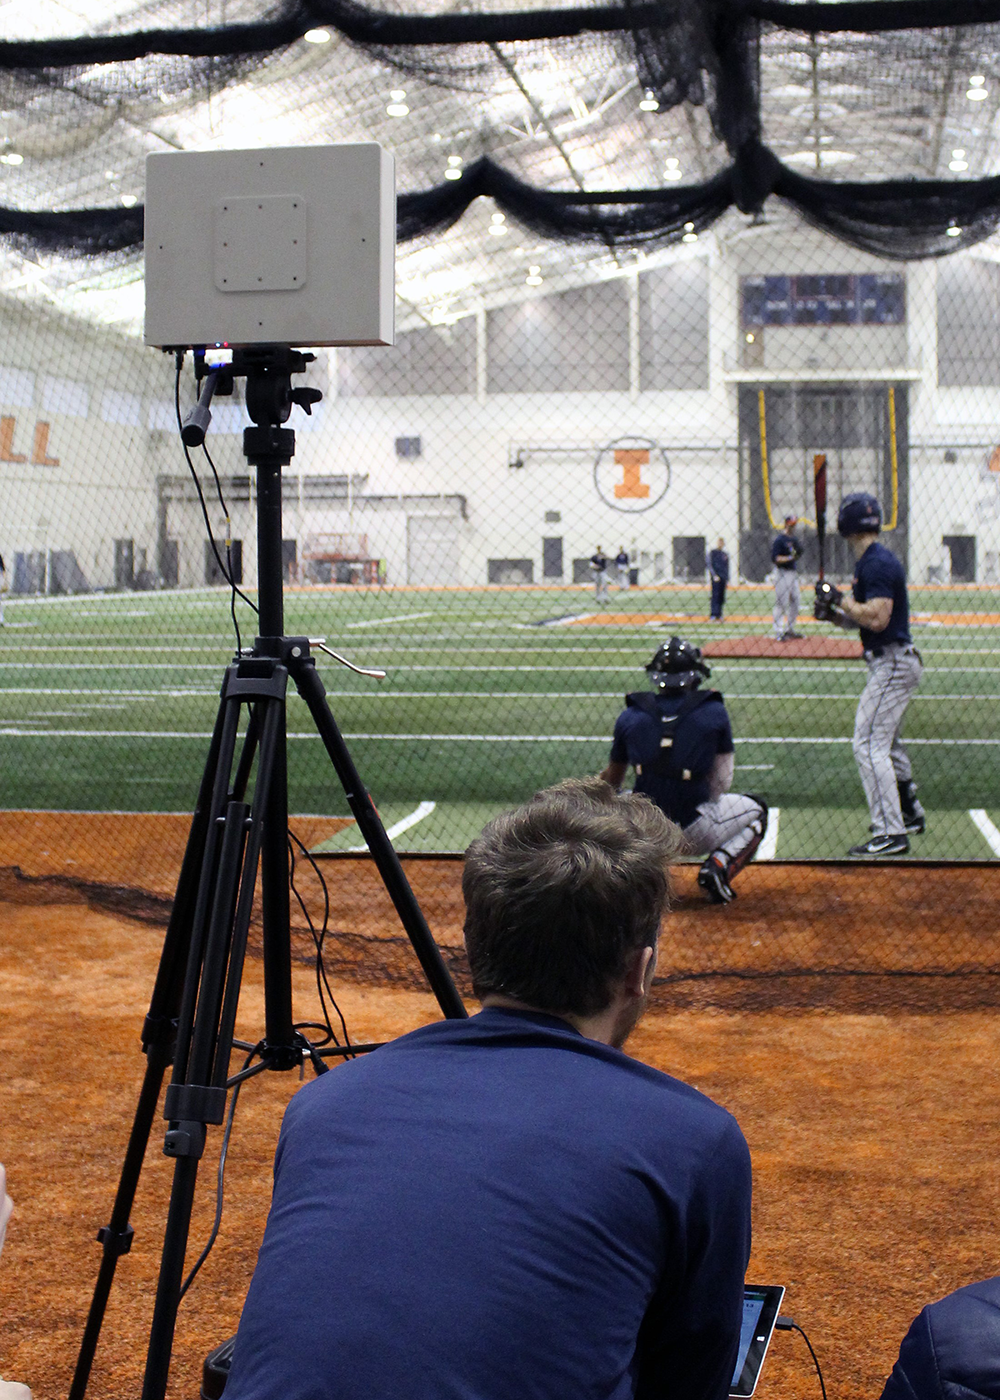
[(788, 1324), (323, 987), (229, 543), (220, 1179), (226, 573)]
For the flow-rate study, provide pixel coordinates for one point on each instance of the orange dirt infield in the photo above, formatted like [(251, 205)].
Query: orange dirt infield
[(800, 649), (875, 1138)]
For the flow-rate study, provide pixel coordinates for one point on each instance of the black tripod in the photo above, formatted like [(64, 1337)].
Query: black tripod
[(192, 1011)]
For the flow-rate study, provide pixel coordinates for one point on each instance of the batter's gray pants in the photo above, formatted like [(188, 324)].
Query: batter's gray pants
[(600, 585), (786, 601), (878, 749), (722, 824)]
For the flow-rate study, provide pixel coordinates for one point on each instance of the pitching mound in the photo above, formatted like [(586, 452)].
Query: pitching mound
[(803, 649)]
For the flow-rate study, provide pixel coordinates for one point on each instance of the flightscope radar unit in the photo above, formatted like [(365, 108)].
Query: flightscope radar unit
[(292, 245)]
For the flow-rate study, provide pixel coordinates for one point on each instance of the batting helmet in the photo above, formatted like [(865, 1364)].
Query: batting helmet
[(677, 665), (859, 514)]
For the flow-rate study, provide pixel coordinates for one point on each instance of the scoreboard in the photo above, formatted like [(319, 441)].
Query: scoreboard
[(834, 299)]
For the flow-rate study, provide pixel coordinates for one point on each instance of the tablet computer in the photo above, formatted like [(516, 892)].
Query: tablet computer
[(760, 1312)]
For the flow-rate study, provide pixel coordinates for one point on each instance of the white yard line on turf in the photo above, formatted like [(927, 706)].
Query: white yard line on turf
[(767, 848), (404, 824), (986, 829), (384, 621)]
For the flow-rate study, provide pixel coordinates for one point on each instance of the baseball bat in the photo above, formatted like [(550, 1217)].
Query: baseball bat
[(819, 489)]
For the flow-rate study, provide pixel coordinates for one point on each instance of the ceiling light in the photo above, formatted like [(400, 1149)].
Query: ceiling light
[(454, 160), (649, 102), (958, 154), (533, 280), (977, 81), (958, 165), (130, 200), (11, 158), (953, 231), (690, 238), (977, 94), (750, 337), (110, 175), (498, 228), (453, 173), (317, 36), (534, 270), (397, 94), (672, 162), (498, 218), (672, 173), (397, 109)]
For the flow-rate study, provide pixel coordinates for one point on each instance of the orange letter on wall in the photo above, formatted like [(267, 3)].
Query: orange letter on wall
[(630, 459), (7, 453), (40, 450)]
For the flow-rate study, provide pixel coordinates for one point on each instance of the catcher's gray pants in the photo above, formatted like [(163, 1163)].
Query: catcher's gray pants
[(786, 601), (723, 824), (601, 585), (878, 749)]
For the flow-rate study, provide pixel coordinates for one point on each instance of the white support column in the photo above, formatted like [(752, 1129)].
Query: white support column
[(482, 365), (921, 343), (634, 365)]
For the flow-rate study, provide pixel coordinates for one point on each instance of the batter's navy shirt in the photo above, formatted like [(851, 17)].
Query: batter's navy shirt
[(499, 1209), (718, 563), (879, 574), (786, 544), (699, 736)]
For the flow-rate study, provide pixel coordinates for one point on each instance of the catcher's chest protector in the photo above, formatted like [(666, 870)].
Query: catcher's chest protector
[(666, 764)]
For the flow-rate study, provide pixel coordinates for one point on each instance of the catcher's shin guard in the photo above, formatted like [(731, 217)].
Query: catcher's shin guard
[(716, 875)]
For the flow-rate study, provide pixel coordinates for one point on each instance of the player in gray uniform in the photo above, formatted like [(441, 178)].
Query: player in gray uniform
[(680, 743), (599, 570), (879, 606), (785, 554)]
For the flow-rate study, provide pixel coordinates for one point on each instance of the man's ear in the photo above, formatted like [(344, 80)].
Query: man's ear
[(639, 974)]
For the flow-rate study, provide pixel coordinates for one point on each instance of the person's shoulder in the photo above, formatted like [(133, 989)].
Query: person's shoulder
[(952, 1348)]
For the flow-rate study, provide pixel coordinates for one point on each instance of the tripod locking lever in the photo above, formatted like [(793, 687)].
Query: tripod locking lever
[(372, 671)]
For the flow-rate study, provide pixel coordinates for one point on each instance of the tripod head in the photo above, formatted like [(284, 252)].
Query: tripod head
[(270, 395)]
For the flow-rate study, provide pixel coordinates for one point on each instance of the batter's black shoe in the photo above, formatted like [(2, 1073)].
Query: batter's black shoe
[(890, 845), (712, 879)]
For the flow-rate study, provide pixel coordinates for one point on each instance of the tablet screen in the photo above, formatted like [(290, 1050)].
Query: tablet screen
[(760, 1312)]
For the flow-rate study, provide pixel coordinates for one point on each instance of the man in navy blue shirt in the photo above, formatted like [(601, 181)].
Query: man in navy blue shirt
[(879, 606), (785, 554), (718, 571), (680, 743), (508, 1207)]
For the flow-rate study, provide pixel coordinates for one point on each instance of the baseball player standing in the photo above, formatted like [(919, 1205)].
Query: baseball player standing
[(880, 607), (785, 553), (680, 742), (599, 569), (718, 572), (622, 567)]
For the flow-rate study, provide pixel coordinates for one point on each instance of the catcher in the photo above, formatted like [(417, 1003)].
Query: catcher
[(680, 742), (880, 607)]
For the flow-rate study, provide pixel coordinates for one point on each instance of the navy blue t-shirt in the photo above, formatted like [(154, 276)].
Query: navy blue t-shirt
[(786, 544), (718, 562), (499, 1209), (699, 736), (879, 574)]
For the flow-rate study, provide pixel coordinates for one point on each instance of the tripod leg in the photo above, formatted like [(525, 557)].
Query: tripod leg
[(158, 1036), (275, 896), (310, 687)]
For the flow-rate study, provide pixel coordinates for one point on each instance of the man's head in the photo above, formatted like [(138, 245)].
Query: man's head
[(677, 665), (790, 523), (859, 514), (564, 897), (720, 543)]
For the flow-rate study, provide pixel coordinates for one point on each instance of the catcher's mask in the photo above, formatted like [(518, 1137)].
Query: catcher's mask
[(677, 665)]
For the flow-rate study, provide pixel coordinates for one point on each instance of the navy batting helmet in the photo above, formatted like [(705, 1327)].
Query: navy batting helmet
[(859, 514), (677, 665)]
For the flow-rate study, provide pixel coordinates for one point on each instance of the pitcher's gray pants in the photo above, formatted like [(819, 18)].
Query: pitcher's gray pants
[(786, 601), (726, 822), (600, 585), (882, 760)]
